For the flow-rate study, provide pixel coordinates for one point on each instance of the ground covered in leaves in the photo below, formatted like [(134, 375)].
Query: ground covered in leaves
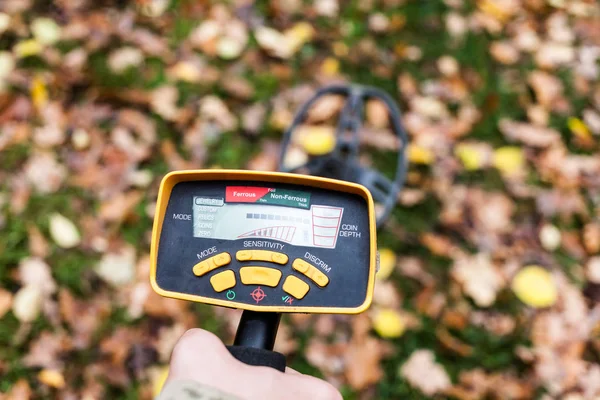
[(490, 276)]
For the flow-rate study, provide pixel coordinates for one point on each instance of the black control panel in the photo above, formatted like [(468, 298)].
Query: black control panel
[(265, 244)]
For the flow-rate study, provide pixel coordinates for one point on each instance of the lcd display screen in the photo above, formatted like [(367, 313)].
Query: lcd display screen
[(248, 212)]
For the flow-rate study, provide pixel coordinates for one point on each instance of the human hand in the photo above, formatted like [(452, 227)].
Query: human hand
[(201, 357)]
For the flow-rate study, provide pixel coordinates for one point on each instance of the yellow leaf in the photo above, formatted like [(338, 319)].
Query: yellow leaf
[(471, 158), (330, 66), (39, 93), (387, 263), (159, 382), (300, 33), (494, 8), (317, 140), (27, 48), (388, 323), (52, 378), (509, 160), (419, 155), (579, 128), (535, 287)]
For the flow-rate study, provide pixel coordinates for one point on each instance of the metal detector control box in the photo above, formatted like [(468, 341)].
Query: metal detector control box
[(264, 241)]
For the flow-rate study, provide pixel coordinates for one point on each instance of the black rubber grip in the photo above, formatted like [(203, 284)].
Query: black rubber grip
[(258, 357)]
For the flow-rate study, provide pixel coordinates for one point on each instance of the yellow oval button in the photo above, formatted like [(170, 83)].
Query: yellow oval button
[(260, 276)]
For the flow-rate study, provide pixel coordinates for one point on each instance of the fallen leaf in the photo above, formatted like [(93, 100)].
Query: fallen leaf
[(164, 102), (479, 278), (592, 270), (117, 208), (6, 300), (377, 113), (509, 160), (550, 237), (38, 245), (27, 48), (534, 286), (504, 52), (117, 268), (27, 303), (124, 58), (52, 378), (35, 271), (63, 231), (45, 351), (422, 372), (387, 263), (316, 139), (363, 362), (473, 156), (46, 31), (419, 155), (44, 173), (324, 108), (591, 237), (159, 380), (388, 323), (548, 88), (531, 135)]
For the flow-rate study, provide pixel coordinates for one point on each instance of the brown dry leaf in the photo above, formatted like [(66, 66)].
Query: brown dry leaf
[(164, 102), (124, 58), (35, 272), (167, 338), (422, 372), (377, 114), (382, 139), (117, 208), (238, 87), (329, 358), (214, 109), (267, 159), (551, 55), (363, 362), (479, 278), (117, 345), (592, 270), (84, 317), (285, 343), (38, 245), (118, 267), (498, 324), (44, 172), (437, 244), (548, 88), (452, 343), (492, 211), (564, 203), (325, 108), (591, 237), (531, 135), (253, 118), (476, 384), (6, 299), (504, 52), (20, 391), (46, 350)]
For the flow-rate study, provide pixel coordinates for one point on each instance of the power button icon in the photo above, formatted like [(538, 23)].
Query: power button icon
[(230, 295)]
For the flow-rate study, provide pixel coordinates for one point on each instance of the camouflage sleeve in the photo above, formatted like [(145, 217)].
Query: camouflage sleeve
[(192, 390)]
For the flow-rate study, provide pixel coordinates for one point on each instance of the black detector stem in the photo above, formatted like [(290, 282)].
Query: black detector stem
[(257, 329), (255, 338)]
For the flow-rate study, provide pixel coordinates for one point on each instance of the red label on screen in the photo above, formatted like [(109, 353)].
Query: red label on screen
[(244, 194)]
